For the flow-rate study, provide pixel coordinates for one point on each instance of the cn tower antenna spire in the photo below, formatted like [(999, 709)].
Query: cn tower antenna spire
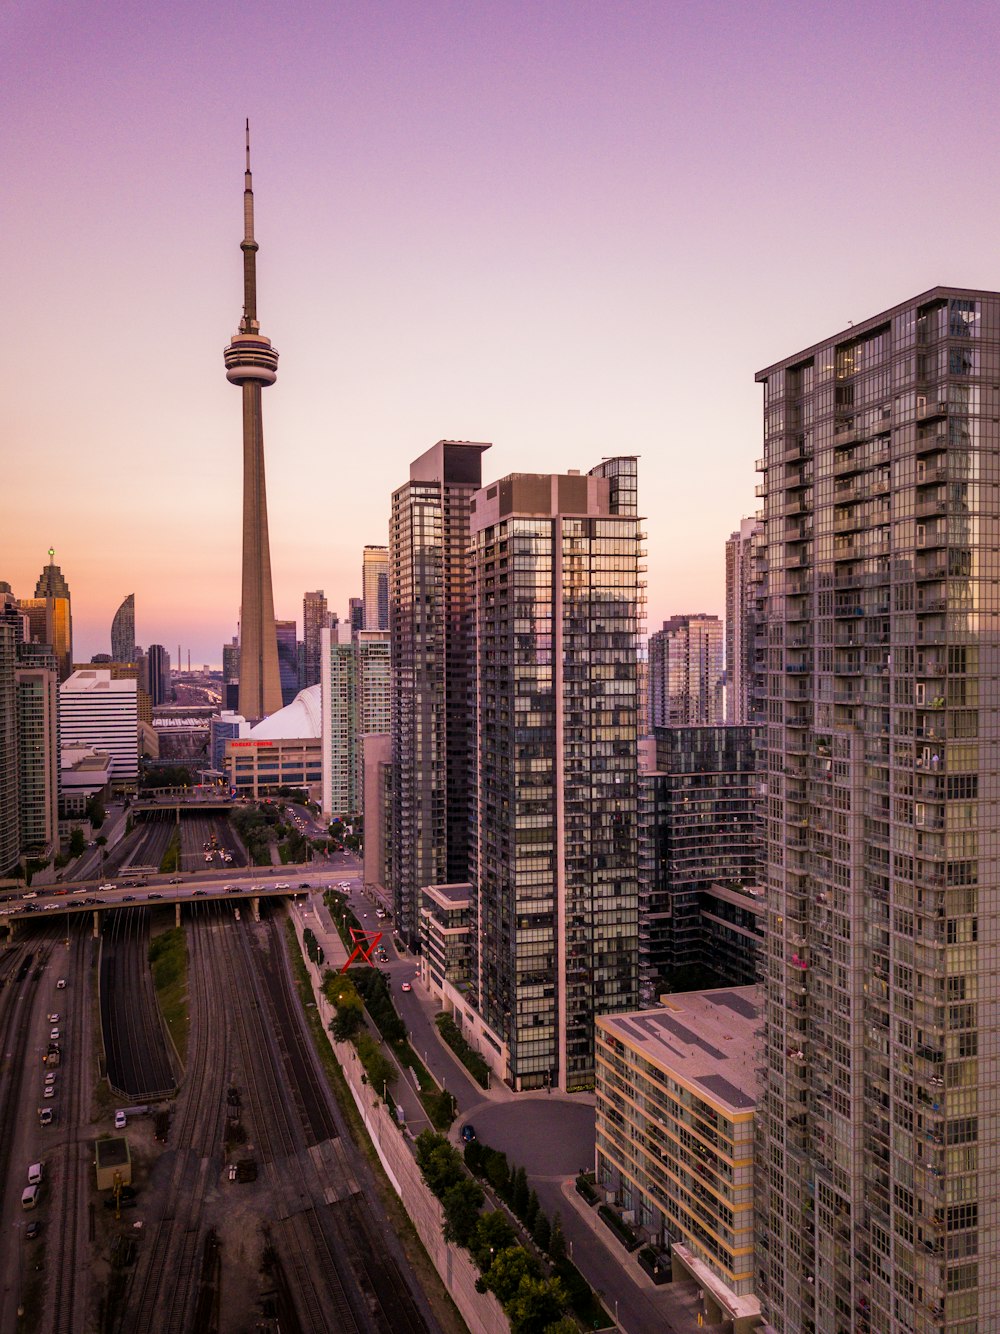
[(249, 247)]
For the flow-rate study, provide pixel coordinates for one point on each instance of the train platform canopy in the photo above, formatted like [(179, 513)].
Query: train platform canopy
[(113, 1158)]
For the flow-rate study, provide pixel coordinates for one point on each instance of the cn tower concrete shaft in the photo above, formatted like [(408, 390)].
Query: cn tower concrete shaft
[(252, 363)]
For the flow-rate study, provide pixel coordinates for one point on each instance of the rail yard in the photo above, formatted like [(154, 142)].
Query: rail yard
[(255, 1211)]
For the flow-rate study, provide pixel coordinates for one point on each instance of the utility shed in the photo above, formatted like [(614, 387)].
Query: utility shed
[(113, 1156)]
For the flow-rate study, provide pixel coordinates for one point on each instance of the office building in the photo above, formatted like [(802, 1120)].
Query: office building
[(432, 721), (288, 660), (50, 615), (225, 726), (252, 363), (555, 582), (375, 588), (356, 614), (123, 647), (315, 619), (743, 684), (158, 680), (685, 672), (699, 830), (356, 694), (880, 1119), (97, 711), (677, 1090)]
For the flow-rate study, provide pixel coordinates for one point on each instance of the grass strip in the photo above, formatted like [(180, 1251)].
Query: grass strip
[(168, 958)]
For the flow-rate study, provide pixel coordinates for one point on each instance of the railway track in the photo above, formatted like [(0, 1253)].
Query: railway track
[(138, 1062), (163, 1289)]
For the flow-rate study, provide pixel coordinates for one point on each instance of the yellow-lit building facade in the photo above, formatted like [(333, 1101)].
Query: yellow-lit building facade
[(676, 1098)]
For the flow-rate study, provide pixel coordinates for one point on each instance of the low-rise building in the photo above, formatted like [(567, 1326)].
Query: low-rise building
[(677, 1091), (446, 946), (283, 750)]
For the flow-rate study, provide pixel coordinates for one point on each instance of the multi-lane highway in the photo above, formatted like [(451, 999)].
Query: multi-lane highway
[(262, 881)]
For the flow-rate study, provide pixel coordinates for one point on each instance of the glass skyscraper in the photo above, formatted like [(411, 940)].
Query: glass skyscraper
[(556, 590), (877, 1201)]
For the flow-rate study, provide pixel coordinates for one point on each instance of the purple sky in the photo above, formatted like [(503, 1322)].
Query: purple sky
[(573, 229)]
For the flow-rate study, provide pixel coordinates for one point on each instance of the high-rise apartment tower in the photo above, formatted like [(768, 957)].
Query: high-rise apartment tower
[(315, 619), (556, 602), (742, 684), (877, 1204), (432, 675), (252, 363), (375, 588), (685, 672)]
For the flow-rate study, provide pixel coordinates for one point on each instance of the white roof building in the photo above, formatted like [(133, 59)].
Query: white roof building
[(95, 710)]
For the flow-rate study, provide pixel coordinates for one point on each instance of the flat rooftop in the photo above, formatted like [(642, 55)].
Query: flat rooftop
[(112, 1152), (707, 1039)]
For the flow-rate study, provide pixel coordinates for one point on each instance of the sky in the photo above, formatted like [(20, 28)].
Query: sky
[(572, 229)]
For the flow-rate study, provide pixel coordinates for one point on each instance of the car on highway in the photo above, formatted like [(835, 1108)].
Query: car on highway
[(75, 891), (54, 1035), (174, 880), (49, 1091), (154, 896), (50, 1078), (128, 898), (106, 889), (61, 984), (45, 1116), (34, 1228), (200, 893), (53, 1018), (468, 1133), (281, 885), (406, 987), (235, 889)]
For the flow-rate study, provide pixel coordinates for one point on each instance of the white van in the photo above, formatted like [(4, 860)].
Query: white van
[(35, 1174), (29, 1197)]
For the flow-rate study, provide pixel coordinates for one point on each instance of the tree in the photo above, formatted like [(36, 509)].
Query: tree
[(541, 1232), (497, 1171), (461, 1203), (510, 1266), (348, 1019), (438, 1161), (557, 1242), (537, 1304), (493, 1234), (531, 1212), (77, 842), (520, 1193)]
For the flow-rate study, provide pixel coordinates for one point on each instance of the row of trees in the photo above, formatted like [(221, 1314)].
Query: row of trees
[(533, 1302)]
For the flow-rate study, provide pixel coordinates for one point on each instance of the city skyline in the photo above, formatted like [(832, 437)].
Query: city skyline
[(513, 227)]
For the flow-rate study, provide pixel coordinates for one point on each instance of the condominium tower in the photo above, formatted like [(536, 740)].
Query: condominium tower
[(375, 588), (742, 559), (315, 619), (685, 672), (556, 589), (877, 1202), (252, 363), (432, 720)]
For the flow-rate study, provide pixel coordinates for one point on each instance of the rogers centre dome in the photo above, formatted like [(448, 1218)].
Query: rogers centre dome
[(302, 718)]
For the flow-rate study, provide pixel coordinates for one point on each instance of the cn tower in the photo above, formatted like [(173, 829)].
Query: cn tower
[(252, 363)]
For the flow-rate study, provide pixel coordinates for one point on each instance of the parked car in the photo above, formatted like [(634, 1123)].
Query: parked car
[(121, 1120)]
